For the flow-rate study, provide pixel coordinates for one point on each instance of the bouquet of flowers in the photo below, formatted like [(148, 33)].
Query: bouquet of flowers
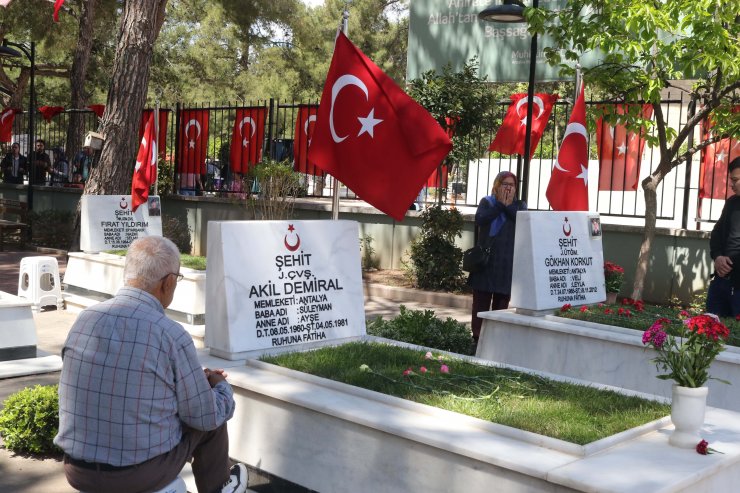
[(687, 355), (614, 277)]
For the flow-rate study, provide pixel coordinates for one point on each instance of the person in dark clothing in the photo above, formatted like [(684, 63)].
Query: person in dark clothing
[(14, 165), (495, 220), (40, 163), (723, 298)]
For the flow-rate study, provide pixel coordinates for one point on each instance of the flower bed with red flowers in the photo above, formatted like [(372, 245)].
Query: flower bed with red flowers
[(635, 314)]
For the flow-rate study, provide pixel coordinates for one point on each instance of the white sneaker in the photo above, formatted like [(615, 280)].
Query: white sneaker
[(237, 482)]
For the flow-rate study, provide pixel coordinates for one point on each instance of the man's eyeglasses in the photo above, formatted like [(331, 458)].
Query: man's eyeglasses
[(180, 277)]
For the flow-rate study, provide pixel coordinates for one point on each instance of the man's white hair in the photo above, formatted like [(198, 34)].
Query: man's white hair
[(148, 260)]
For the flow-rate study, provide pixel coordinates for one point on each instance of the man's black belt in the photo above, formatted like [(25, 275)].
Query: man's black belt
[(95, 466)]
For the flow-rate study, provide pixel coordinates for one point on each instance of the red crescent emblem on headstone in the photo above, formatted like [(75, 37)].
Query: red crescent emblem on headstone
[(567, 233), (123, 203), (292, 248)]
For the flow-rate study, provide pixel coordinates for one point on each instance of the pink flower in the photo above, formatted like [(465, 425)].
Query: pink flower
[(407, 372), (702, 447), (683, 314), (428, 355), (444, 369), (423, 369)]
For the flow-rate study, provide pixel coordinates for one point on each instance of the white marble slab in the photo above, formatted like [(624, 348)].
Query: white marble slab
[(17, 328), (596, 352), (324, 436), (44, 363)]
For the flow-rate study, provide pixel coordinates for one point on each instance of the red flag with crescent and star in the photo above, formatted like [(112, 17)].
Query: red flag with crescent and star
[(620, 151), (713, 182), (162, 137), (510, 136), (49, 112), (568, 187), (305, 123), (372, 136), (192, 141), (7, 117), (247, 138), (57, 6), (145, 171)]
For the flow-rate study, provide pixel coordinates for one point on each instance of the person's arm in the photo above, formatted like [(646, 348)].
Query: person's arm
[(199, 405), (718, 240)]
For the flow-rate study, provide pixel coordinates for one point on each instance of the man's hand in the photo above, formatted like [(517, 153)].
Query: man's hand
[(215, 376), (723, 265)]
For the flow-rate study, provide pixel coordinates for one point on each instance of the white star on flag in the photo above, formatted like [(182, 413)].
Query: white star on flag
[(368, 123), (721, 156), (622, 148), (584, 175), (192, 144)]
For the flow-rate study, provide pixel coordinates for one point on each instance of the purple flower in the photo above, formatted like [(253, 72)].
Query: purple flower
[(659, 338)]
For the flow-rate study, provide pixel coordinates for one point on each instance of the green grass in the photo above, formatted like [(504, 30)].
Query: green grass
[(642, 319), (573, 413), (189, 261)]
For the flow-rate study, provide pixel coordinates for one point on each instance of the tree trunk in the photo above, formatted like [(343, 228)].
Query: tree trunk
[(141, 21), (649, 185), (78, 97)]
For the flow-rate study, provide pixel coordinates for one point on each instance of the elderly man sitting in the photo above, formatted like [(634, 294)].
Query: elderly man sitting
[(134, 402)]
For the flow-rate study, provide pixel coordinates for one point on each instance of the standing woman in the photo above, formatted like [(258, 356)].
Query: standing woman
[(495, 221)]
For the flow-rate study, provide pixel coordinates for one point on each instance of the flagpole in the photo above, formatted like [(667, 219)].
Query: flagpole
[(156, 140), (335, 195)]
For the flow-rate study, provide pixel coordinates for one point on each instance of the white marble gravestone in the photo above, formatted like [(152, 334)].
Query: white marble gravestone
[(558, 259), (107, 222), (277, 284)]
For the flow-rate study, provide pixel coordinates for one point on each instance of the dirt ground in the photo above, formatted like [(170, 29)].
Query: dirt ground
[(389, 277)]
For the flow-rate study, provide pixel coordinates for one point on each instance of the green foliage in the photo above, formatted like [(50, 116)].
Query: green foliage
[(425, 329), (52, 228), (178, 231), (369, 259), (435, 259), (29, 420), (165, 177), (278, 187), (461, 96)]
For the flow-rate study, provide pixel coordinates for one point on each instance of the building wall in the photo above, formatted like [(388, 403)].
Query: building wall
[(679, 267)]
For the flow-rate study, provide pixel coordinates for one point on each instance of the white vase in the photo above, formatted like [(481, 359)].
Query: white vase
[(687, 414)]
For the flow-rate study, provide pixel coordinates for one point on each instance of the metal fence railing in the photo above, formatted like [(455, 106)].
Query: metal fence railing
[(210, 142)]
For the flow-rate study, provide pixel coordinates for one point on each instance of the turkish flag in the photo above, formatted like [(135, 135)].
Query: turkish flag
[(193, 141), (49, 112), (568, 187), (513, 131), (145, 171), (434, 181), (6, 124), (145, 116), (713, 182), (372, 136), (620, 151), (98, 109), (247, 138), (57, 6), (305, 123)]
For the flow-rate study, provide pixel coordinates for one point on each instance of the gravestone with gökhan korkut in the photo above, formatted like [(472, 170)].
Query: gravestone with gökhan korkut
[(558, 260), (278, 284)]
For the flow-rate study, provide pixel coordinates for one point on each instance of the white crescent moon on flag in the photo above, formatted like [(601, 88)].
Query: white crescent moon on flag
[(5, 115), (153, 162), (572, 128), (537, 101), (251, 123), (310, 119), (339, 84), (138, 163), (191, 123)]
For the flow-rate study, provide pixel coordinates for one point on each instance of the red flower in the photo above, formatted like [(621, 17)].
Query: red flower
[(608, 311), (584, 309), (620, 311), (737, 317), (702, 447), (565, 307)]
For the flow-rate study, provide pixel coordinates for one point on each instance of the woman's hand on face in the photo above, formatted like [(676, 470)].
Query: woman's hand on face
[(507, 196)]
